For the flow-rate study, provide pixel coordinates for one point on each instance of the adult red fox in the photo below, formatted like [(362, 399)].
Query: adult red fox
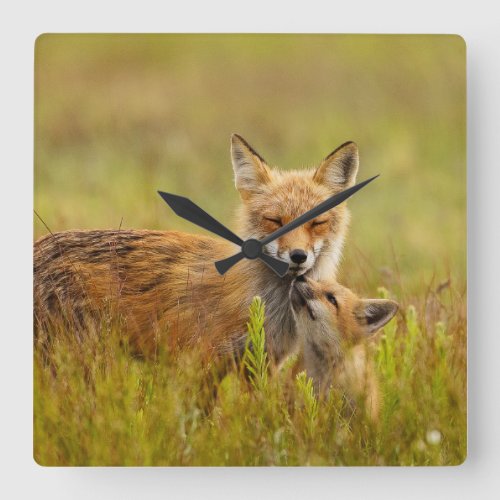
[(161, 280)]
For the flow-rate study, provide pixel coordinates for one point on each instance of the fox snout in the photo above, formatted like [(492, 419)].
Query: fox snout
[(298, 256), (301, 259)]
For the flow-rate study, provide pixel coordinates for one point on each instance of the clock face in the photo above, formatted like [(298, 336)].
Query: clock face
[(261, 310)]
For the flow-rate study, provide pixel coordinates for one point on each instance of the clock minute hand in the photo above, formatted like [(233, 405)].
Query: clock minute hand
[(323, 207)]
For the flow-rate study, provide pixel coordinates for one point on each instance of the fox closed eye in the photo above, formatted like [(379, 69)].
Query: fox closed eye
[(274, 220), (319, 222)]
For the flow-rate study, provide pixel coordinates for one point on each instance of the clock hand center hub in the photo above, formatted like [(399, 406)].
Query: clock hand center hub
[(251, 248)]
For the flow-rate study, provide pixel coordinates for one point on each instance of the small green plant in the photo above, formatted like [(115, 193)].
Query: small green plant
[(305, 387), (255, 357)]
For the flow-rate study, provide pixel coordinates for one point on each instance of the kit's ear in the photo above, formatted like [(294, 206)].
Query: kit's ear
[(250, 169), (373, 314), (339, 169)]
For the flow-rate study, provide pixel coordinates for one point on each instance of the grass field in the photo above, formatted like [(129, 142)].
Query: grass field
[(118, 117)]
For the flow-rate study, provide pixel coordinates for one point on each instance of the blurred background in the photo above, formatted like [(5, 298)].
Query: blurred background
[(119, 116)]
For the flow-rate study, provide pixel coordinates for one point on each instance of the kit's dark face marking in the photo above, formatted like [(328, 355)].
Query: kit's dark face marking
[(301, 296)]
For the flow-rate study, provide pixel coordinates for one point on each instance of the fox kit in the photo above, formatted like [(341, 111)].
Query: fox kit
[(161, 280), (334, 325)]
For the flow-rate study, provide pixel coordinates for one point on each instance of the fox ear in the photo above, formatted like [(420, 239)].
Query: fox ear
[(250, 169), (373, 314), (339, 168)]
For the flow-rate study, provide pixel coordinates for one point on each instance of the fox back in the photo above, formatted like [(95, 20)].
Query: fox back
[(156, 281)]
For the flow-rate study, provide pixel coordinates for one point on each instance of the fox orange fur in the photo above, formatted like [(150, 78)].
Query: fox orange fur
[(161, 281)]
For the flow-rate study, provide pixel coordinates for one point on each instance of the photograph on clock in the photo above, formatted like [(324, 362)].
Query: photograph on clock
[(249, 250)]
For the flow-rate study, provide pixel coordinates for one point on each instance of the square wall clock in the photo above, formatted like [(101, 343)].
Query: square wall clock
[(250, 250)]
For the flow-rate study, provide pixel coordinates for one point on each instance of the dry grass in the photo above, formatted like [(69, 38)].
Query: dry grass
[(95, 404)]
